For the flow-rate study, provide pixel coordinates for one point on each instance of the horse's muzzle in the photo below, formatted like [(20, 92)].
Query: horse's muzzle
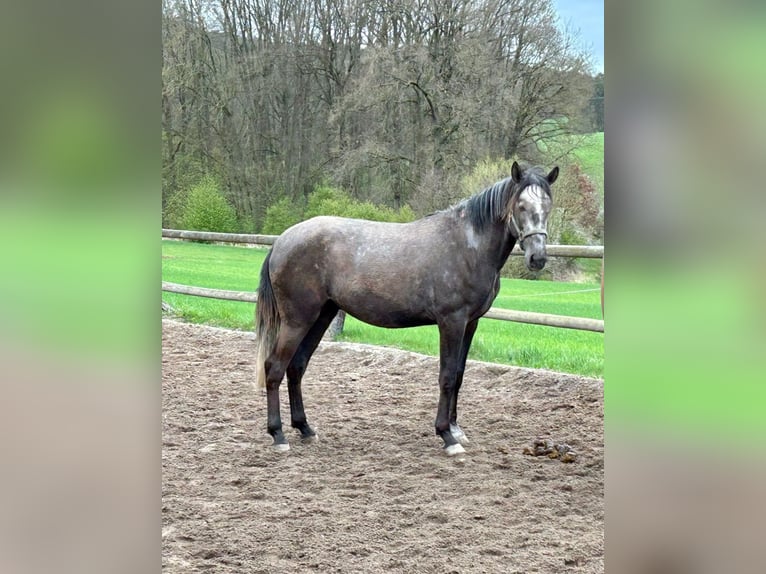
[(534, 251), (535, 262)]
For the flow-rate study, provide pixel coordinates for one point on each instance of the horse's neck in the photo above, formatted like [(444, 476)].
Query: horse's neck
[(507, 243), (498, 244)]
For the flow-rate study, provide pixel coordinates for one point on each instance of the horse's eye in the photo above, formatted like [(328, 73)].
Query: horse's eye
[(522, 208)]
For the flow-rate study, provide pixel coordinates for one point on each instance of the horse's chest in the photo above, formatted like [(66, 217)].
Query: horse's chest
[(489, 296)]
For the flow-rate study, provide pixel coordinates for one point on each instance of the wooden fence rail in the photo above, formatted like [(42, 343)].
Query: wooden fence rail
[(245, 296), (222, 237), (562, 321), (585, 251)]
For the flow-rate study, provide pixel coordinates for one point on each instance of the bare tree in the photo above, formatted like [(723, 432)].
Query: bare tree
[(392, 99)]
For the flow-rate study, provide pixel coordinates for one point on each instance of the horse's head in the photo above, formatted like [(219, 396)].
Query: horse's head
[(530, 206)]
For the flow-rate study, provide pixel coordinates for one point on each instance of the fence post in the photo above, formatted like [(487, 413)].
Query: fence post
[(336, 327)]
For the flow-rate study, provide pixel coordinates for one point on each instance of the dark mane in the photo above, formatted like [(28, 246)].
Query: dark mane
[(492, 204), (488, 206)]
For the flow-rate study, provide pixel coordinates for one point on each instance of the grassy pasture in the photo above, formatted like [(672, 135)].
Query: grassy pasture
[(566, 350), (587, 150), (590, 156)]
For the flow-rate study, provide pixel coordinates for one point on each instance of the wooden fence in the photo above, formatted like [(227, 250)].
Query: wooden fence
[(585, 251), (562, 321)]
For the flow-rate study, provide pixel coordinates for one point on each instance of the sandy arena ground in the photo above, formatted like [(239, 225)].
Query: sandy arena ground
[(351, 503)]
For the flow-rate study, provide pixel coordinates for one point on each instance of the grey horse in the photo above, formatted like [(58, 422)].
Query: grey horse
[(443, 269)]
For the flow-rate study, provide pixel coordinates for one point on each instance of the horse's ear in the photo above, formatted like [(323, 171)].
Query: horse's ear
[(516, 172), (553, 175)]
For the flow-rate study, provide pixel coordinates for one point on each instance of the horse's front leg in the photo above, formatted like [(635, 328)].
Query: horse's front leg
[(450, 346), (455, 429)]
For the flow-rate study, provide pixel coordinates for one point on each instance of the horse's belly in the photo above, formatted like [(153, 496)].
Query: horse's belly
[(383, 309), (392, 320)]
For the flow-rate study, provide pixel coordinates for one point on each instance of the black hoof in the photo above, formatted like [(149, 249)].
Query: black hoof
[(307, 433)]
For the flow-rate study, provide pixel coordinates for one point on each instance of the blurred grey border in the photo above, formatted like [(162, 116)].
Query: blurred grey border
[(685, 88), (79, 323), (684, 288)]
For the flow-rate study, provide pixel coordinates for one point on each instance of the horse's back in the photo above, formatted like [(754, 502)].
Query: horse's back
[(343, 227), (340, 237)]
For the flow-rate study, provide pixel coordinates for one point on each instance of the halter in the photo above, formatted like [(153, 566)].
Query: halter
[(520, 237)]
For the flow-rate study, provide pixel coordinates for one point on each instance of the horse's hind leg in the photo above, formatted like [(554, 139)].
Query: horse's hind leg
[(288, 340), (298, 365)]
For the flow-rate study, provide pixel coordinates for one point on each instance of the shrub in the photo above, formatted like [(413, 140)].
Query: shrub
[(374, 212), (575, 217), (405, 214), (484, 174), (173, 214), (246, 224), (570, 236), (326, 200), (206, 209), (281, 215)]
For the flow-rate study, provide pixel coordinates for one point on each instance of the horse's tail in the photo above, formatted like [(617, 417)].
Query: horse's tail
[(267, 323)]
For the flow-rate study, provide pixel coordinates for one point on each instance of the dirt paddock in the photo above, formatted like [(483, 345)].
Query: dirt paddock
[(355, 503)]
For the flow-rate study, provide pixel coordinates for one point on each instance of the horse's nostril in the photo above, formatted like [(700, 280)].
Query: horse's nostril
[(537, 261)]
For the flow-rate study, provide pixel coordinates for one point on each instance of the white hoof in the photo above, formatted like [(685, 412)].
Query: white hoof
[(310, 439), (454, 449), (281, 447), (458, 434)]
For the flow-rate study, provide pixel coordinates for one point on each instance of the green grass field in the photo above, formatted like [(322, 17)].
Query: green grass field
[(566, 350)]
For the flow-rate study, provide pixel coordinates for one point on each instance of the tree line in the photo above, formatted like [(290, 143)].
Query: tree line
[(393, 101)]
